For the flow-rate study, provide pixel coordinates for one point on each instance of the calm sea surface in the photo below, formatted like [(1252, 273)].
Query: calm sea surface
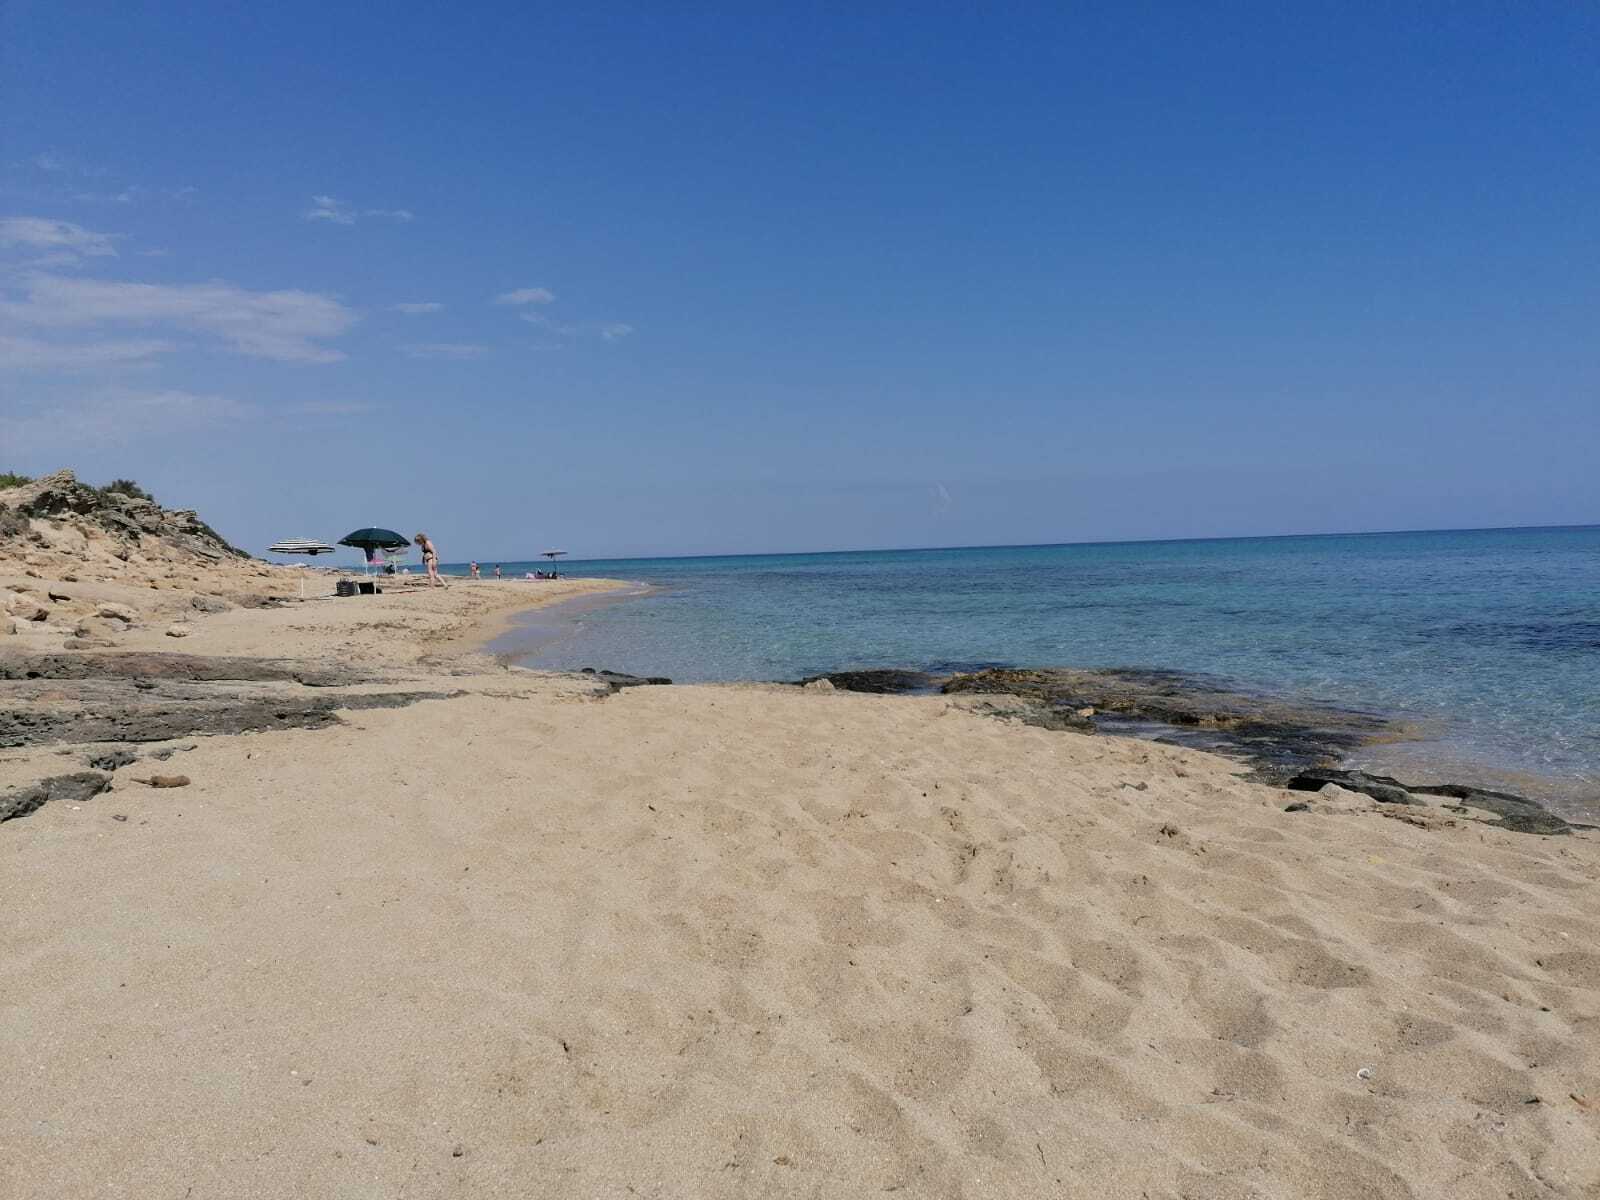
[(1489, 637)]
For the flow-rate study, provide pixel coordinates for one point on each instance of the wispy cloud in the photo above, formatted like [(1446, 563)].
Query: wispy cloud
[(45, 233), (418, 308), (111, 415), (288, 326), (328, 408), (326, 208), (449, 350), (34, 354), (527, 295), (337, 212), (611, 331), (134, 193), (56, 163)]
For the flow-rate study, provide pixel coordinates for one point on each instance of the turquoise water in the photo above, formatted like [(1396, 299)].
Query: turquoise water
[(1490, 637)]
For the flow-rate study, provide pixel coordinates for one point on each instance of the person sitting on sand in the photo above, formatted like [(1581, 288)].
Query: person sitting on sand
[(430, 559)]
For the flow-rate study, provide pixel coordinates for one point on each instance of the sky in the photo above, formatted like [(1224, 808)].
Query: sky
[(636, 279)]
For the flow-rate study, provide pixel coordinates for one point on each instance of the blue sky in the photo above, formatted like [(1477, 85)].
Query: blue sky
[(625, 279)]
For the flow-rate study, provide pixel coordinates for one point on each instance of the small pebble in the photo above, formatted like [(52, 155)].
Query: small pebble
[(1364, 1073), (119, 816)]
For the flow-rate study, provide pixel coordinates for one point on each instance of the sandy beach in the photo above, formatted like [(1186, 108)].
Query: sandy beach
[(539, 936)]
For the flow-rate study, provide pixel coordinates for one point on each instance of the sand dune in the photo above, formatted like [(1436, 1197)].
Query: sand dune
[(744, 941)]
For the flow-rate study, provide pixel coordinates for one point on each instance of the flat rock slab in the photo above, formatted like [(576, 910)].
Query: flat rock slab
[(1515, 813), (1279, 739), (79, 786), (120, 711), (193, 667)]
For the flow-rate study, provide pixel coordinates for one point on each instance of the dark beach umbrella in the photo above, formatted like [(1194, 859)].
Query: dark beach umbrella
[(374, 539), (370, 540)]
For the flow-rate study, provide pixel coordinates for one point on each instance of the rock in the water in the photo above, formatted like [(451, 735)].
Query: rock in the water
[(79, 786)]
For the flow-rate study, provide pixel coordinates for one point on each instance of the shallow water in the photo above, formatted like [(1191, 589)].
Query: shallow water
[(1489, 638)]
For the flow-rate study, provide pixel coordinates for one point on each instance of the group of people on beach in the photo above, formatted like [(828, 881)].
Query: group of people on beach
[(430, 561)]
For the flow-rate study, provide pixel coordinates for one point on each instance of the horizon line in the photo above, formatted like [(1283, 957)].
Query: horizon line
[(1152, 541)]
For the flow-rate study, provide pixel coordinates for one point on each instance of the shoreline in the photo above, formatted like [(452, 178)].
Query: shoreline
[(739, 939), (1394, 746), (524, 631)]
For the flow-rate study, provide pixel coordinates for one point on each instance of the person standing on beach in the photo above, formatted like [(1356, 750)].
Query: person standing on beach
[(474, 570), (430, 559), (497, 570)]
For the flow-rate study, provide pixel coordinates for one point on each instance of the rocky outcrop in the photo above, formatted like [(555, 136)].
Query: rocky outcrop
[(129, 519)]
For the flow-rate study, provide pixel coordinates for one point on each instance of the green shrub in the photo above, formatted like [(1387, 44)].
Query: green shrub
[(10, 479), (128, 487)]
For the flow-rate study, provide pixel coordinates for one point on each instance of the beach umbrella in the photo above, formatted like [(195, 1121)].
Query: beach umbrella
[(372, 539), (310, 547), (552, 555)]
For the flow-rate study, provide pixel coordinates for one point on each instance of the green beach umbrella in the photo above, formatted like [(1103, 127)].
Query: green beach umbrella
[(372, 538)]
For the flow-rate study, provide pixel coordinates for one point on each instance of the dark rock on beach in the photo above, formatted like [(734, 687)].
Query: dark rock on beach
[(888, 681), (616, 680), (79, 786), (1515, 813), (85, 698), (1380, 787), (1277, 737), (170, 666)]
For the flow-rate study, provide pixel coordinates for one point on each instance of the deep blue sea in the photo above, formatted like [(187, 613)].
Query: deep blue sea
[(1491, 638)]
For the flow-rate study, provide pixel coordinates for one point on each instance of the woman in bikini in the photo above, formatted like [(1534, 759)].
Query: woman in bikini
[(430, 559)]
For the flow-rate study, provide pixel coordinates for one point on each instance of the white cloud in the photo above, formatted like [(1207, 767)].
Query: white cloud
[(111, 415), (43, 233), (332, 209), (450, 350), (418, 308), (326, 208), (25, 353), (527, 295), (288, 326), (611, 331)]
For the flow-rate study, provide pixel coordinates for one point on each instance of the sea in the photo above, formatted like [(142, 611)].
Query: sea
[(1486, 640)]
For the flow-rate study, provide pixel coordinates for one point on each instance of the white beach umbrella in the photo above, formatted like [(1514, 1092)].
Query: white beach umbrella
[(310, 547)]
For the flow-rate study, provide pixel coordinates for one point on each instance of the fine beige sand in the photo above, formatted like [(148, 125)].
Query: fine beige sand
[(537, 940)]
